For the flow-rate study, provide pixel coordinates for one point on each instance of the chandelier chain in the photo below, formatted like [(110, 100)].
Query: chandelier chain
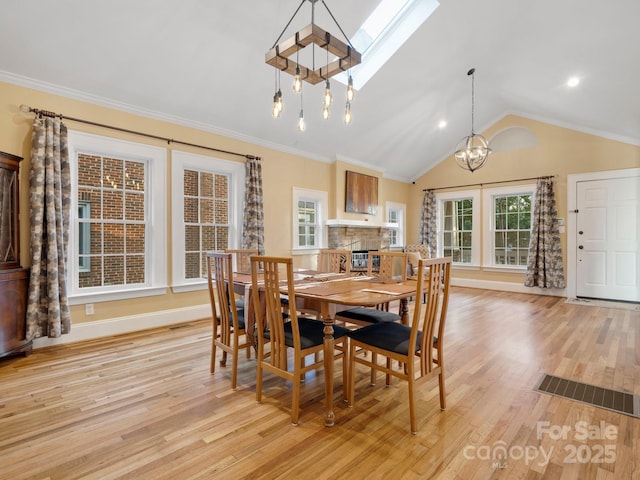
[(338, 25), (289, 23), (472, 73)]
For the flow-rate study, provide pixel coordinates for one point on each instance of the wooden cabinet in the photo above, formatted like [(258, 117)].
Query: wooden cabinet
[(14, 280), (13, 302)]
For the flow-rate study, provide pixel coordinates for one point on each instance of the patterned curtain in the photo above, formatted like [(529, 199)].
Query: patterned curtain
[(544, 263), (50, 190), (428, 223), (253, 226)]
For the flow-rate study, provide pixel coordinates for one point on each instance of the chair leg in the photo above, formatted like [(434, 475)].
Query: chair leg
[(388, 376), (345, 371), (234, 368), (259, 376), (412, 412), (295, 403), (212, 367), (443, 399), (352, 373), (374, 359)]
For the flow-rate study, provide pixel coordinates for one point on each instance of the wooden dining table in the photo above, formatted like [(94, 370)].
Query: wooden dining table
[(326, 294), (349, 292)]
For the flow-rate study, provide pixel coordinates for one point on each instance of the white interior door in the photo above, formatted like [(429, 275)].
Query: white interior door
[(608, 232)]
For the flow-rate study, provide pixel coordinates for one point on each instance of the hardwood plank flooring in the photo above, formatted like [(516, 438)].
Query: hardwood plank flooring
[(144, 406)]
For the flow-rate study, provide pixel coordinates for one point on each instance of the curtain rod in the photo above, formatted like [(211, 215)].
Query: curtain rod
[(490, 183), (46, 113)]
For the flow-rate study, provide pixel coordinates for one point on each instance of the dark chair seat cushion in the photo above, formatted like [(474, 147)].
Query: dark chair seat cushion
[(371, 315), (241, 322), (390, 336), (311, 332)]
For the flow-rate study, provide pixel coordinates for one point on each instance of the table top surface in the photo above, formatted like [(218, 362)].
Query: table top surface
[(363, 291), (340, 288)]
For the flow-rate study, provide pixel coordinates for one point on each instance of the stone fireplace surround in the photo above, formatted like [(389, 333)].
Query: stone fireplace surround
[(358, 237)]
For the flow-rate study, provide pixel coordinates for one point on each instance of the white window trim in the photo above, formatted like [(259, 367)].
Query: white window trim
[(179, 162), (475, 218), (400, 228), (322, 198), (155, 159), (487, 202)]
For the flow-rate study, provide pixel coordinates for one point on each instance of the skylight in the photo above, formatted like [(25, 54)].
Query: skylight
[(384, 32)]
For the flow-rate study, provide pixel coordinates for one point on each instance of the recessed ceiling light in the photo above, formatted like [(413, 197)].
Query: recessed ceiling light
[(442, 124), (573, 81)]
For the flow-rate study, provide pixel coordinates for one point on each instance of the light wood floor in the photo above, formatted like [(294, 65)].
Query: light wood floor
[(144, 406)]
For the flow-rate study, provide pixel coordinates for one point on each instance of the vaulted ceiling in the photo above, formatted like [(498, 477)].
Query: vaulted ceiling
[(201, 63)]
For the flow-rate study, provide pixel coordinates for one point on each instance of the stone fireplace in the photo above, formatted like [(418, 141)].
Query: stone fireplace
[(359, 239)]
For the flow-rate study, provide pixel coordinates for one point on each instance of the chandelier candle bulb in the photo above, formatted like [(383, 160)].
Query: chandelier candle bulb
[(350, 92), (328, 98), (297, 81), (347, 114), (301, 125)]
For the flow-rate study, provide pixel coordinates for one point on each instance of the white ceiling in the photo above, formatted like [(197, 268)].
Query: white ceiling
[(201, 63)]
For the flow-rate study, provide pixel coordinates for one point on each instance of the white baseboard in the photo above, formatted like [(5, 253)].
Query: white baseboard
[(507, 287), (132, 323)]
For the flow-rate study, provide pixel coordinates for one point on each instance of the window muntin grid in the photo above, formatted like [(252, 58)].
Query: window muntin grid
[(457, 229), (512, 229), (207, 206)]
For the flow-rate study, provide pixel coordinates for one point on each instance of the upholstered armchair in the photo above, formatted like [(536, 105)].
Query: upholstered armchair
[(415, 253)]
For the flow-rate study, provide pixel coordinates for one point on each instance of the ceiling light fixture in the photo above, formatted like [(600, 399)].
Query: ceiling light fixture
[(312, 34), (573, 82), (472, 151)]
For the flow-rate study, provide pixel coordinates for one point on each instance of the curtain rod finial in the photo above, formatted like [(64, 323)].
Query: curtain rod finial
[(25, 108)]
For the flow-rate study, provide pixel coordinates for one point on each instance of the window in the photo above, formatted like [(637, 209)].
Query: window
[(384, 32), (395, 215), (509, 210), (118, 230), (307, 223), (457, 229), (207, 201), (459, 226), (309, 218)]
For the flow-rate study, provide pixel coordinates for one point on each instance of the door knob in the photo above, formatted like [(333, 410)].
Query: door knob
[(580, 247), (580, 232)]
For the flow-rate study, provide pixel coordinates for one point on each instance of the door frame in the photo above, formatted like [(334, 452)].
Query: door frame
[(572, 187)]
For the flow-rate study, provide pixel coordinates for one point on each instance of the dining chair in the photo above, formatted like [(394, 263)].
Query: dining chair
[(241, 258), (420, 343), (228, 319), (414, 253), (278, 330), (241, 263), (334, 261), (387, 266)]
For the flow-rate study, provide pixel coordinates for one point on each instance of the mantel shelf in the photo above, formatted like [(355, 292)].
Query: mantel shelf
[(339, 222)]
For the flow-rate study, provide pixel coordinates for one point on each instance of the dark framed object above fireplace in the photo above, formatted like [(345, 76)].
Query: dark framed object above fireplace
[(361, 192)]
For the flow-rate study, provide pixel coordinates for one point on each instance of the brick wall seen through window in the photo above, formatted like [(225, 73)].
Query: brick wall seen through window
[(206, 218), (111, 192)]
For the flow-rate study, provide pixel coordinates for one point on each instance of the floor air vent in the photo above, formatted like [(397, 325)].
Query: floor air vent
[(182, 325), (621, 402)]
